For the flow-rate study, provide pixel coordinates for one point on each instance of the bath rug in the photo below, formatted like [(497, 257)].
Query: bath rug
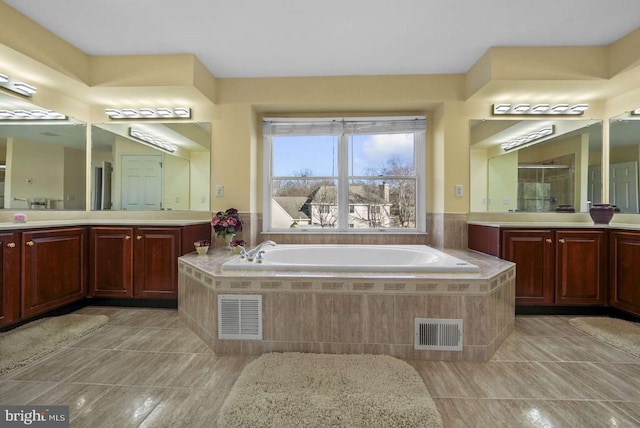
[(327, 390), (624, 335), (24, 344)]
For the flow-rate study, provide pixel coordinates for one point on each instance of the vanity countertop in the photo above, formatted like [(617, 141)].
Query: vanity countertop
[(98, 222), (555, 225)]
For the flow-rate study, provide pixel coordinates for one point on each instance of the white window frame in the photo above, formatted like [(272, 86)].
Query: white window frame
[(343, 179)]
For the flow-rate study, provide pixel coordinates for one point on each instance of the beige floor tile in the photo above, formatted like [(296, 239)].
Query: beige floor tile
[(77, 396), (167, 340), (535, 325), (121, 406), (185, 408), (628, 408), (530, 414), (132, 368), (107, 337), (559, 348), (211, 372), (156, 318), (58, 366), (13, 392)]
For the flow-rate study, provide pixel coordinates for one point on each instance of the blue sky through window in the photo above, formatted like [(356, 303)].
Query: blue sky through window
[(318, 154)]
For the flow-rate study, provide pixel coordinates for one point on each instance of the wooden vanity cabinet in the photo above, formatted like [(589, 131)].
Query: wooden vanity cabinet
[(563, 267), (581, 267), (624, 272), (9, 278), (111, 261), (140, 262), (533, 252), (155, 262), (54, 268)]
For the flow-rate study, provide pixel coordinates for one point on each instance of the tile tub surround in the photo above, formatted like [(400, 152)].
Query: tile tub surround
[(353, 313)]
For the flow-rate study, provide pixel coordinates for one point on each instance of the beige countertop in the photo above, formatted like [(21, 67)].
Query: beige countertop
[(555, 225), (98, 222)]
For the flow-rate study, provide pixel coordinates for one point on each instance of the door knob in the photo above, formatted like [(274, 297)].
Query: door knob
[(30, 243), (561, 240), (127, 237), (139, 237), (548, 240), (11, 245)]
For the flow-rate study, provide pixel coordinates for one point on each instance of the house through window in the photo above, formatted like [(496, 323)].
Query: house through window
[(363, 174)]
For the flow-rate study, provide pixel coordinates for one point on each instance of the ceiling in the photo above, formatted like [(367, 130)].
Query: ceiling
[(244, 38)]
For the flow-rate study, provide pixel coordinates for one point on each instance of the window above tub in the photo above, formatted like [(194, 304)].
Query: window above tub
[(344, 174)]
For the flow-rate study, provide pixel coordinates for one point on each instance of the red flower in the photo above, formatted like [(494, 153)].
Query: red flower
[(226, 222)]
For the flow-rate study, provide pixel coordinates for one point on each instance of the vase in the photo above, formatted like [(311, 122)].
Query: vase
[(202, 250), (227, 240), (601, 213)]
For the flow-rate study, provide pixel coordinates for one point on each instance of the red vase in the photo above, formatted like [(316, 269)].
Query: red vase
[(601, 213)]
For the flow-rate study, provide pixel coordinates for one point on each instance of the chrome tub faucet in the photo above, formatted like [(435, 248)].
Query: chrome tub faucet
[(257, 251)]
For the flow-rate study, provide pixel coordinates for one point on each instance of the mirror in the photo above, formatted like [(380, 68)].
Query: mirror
[(557, 172), (624, 153), (130, 174), (42, 162)]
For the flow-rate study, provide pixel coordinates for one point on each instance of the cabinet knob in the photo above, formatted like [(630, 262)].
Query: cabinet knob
[(139, 237), (548, 240), (561, 240), (127, 237), (30, 243), (11, 245)]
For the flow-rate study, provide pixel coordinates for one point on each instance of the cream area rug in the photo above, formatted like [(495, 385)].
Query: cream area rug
[(624, 335), (24, 344), (325, 390)]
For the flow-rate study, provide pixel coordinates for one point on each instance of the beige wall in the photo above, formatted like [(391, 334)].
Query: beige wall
[(81, 85)]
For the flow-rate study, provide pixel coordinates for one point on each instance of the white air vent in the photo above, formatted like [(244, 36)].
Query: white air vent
[(240, 317), (433, 334)]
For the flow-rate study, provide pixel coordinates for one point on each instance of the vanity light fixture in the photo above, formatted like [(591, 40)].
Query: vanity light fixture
[(540, 109), (31, 115), (17, 86), (149, 113), (152, 140), (528, 138)]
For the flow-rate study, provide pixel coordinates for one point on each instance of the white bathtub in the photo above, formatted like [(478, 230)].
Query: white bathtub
[(355, 258)]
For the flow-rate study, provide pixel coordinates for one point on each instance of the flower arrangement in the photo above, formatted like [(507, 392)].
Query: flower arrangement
[(238, 243), (225, 223), (201, 243)]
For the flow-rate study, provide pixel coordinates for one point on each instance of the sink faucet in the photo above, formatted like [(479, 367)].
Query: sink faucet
[(251, 254)]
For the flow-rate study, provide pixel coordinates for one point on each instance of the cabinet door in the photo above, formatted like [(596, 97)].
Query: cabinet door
[(624, 257), (155, 262), (54, 268), (580, 267), (533, 253), (9, 278), (111, 262)]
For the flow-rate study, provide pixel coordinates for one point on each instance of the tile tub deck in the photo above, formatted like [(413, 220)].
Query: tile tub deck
[(353, 312)]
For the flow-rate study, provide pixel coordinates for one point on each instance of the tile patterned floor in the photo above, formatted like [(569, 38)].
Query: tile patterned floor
[(146, 369)]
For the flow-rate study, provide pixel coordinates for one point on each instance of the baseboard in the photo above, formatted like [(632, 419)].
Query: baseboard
[(577, 310), (132, 303)]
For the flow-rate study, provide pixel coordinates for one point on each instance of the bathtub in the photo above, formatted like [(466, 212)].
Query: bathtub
[(353, 258)]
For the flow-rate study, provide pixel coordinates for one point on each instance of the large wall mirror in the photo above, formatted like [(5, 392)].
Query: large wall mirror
[(624, 154), (551, 166), (150, 166), (42, 162)]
